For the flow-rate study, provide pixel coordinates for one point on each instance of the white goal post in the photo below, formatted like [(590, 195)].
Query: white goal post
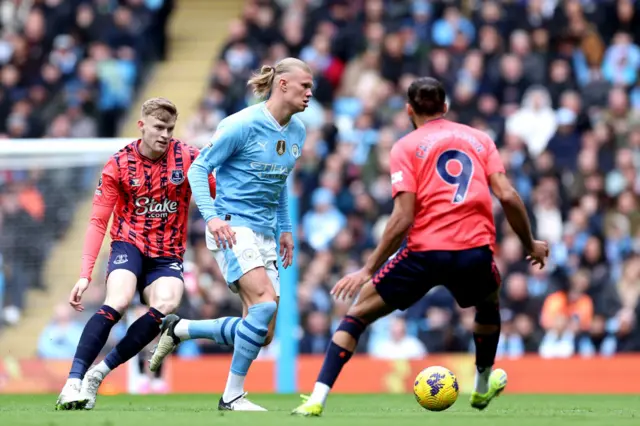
[(21, 154)]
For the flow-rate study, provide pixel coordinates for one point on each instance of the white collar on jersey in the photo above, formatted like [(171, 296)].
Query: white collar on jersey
[(271, 118)]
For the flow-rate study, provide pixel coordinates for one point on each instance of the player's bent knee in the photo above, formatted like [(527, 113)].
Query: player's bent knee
[(166, 306), (120, 305), (256, 287), (165, 294), (353, 326), (265, 310), (121, 289)]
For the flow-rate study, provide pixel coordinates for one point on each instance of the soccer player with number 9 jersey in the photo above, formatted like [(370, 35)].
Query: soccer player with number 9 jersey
[(441, 232)]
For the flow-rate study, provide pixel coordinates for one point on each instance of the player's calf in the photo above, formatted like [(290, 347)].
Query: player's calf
[(339, 352), (250, 337), (486, 334), (121, 287), (175, 330), (139, 335), (165, 292), (272, 326), (93, 338), (369, 307)]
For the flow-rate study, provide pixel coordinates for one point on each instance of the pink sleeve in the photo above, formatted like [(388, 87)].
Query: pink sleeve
[(212, 180), (212, 186), (494, 162), (402, 171), (104, 201)]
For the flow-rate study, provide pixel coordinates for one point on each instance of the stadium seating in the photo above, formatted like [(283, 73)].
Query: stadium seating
[(547, 82), (555, 85), (67, 69)]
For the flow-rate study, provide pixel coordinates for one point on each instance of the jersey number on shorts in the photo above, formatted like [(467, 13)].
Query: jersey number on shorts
[(462, 179)]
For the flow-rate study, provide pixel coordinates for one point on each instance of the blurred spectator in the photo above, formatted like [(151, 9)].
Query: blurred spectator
[(324, 222), (399, 345), (59, 339), (535, 122), (317, 334), (559, 340), (544, 79), (67, 69), (553, 83)]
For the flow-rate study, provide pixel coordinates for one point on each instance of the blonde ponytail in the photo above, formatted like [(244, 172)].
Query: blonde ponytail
[(261, 82)]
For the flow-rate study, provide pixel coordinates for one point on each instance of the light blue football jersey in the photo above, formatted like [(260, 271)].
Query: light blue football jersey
[(252, 155)]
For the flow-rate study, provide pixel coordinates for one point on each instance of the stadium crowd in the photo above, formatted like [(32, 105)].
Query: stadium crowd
[(555, 83), (68, 69)]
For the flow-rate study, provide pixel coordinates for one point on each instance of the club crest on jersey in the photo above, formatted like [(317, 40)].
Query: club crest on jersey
[(177, 176), (295, 150), (281, 147), (135, 182)]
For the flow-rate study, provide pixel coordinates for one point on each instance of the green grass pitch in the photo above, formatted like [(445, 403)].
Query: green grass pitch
[(343, 410)]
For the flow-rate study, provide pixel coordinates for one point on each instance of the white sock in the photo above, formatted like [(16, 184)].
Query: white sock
[(482, 380), (103, 368), (234, 388), (181, 330), (320, 393), (74, 382)]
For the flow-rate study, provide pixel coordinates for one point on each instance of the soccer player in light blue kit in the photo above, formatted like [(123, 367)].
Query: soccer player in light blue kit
[(252, 152)]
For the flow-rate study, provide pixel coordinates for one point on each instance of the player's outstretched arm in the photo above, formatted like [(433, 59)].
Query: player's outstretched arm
[(516, 213), (514, 208), (395, 231)]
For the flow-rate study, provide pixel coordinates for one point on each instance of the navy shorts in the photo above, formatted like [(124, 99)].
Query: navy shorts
[(470, 275), (146, 269)]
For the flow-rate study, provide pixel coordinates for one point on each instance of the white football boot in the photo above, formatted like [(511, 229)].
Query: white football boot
[(241, 403), (168, 342), (90, 384), (69, 398)]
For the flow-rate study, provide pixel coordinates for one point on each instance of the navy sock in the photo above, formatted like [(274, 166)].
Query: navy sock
[(334, 360), (138, 336), (92, 340), (486, 347), (337, 356), (487, 314)]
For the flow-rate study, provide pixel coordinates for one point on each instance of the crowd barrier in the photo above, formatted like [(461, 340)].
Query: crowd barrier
[(530, 374)]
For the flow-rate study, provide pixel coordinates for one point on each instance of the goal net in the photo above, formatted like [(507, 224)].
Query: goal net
[(43, 184)]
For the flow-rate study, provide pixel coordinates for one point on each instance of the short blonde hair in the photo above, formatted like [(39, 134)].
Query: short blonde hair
[(262, 81), (160, 108)]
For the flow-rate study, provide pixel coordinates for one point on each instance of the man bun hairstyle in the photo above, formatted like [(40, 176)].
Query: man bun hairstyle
[(262, 81), (427, 96)]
